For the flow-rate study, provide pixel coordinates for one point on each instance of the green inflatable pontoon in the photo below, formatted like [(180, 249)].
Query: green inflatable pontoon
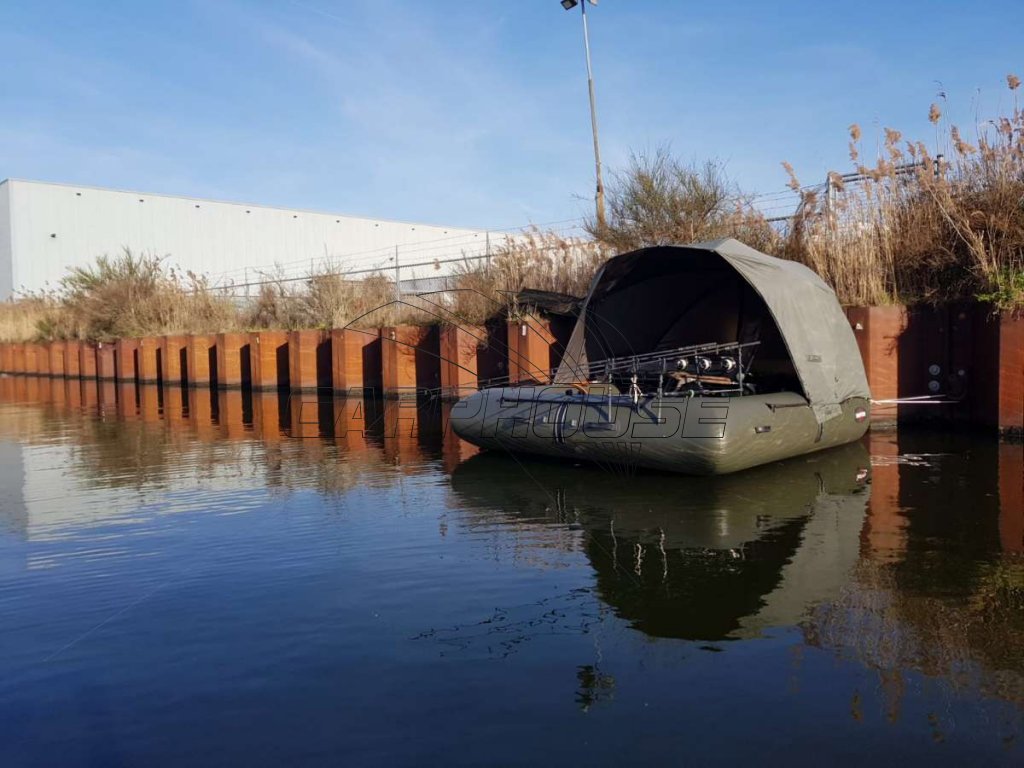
[(700, 359)]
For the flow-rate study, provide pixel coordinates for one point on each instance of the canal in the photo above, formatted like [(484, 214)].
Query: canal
[(197, 578)]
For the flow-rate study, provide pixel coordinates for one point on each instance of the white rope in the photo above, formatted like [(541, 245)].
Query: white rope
[(918, 400)]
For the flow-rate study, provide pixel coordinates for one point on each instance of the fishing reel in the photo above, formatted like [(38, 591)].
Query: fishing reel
[(705, 365)]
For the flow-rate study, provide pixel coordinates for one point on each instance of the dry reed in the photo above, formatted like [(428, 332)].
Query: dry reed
[(536, 259), (922, 225), (328, 298), (20, 318)]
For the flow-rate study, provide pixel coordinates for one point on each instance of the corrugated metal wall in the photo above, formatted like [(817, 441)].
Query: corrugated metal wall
[(6, 262), (53, 227)]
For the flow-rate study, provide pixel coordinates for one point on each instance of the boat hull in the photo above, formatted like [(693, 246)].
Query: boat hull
[(695, 435)]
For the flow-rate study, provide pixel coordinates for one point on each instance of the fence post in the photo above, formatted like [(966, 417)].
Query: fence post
[(398, 278)]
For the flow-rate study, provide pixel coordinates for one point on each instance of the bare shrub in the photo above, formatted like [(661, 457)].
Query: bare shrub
[(273, 307), (278, 304), (660, 200), (203, 309)]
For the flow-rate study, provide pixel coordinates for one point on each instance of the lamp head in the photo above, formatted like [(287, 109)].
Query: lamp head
[(569, 4)]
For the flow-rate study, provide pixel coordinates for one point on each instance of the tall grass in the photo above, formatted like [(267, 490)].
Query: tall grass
[(20, 318), (537, 259), (138, 295), (134, 295), (123, 296), (328, 298)]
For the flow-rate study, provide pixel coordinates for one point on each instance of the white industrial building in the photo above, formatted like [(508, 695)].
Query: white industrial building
[(47, 228)]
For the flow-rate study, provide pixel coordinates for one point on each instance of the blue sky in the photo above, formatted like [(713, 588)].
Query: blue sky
[(473, 113)]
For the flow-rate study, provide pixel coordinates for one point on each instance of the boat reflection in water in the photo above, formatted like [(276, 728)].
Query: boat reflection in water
[(697, 558)]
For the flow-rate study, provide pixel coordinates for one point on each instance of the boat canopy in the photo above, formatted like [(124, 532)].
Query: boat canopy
[(665, 297)]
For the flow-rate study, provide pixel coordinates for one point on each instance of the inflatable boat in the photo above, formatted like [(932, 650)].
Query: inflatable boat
[(701, 359)]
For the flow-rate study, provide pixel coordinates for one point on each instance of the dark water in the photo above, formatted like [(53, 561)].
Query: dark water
[(231, 580)]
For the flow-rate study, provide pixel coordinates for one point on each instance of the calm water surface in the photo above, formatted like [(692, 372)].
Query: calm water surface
[(232, 579)]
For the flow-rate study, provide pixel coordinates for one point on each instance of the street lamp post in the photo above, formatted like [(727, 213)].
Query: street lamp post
[(599, 195)]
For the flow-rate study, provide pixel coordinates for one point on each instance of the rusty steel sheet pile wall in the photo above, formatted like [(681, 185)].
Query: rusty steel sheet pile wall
[(965, 356)]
